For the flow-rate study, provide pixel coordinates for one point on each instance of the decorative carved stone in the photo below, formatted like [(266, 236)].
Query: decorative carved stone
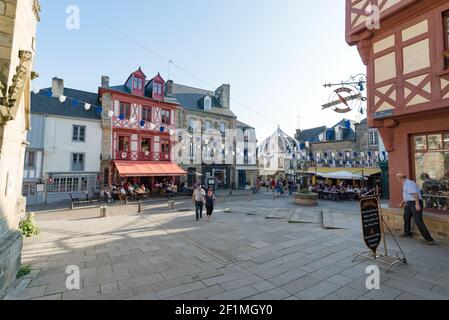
[(37, 9), (10, 98)]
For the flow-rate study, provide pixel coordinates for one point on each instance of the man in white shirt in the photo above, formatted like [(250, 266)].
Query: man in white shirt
[(413, 207), (198, 198)]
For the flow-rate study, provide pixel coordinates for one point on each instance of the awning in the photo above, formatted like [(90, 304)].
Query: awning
[(367, 172), (148, 169), (342, 175)]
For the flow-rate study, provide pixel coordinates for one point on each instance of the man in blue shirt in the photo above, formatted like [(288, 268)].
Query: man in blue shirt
[(413, 207)]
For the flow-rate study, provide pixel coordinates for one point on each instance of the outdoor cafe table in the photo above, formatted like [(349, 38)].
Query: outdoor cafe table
[(338, 196)]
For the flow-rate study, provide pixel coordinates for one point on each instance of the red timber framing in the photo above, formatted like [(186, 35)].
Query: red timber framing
[(408, 78), (136, 131)]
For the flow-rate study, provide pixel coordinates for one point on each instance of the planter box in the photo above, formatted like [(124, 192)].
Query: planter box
[(305, 199)]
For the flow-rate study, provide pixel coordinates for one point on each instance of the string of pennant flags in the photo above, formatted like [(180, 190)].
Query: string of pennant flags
[(98, 109)]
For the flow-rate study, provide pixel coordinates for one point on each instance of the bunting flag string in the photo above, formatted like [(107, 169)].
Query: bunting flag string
[(98, 109), (72, 101)]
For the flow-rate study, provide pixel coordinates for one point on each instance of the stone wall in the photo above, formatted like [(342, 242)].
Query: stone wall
[(106, 138), (333, 146), (438, 224), (18, 21), (362, 142)]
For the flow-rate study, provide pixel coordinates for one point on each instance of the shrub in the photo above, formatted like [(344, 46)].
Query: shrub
[(23, 271), (28, 226)]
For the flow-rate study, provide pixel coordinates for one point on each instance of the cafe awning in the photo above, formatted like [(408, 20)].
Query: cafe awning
[(367, 172), (148, 169), (342, 175)]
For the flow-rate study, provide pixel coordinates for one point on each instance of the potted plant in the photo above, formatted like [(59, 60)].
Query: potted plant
[(305, 198)]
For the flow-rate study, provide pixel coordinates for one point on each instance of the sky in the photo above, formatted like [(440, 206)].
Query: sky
[(276, 55)]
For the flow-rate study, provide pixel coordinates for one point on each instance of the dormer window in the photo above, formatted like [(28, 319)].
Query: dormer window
[(138, 83), (157, 88), (207, 103)]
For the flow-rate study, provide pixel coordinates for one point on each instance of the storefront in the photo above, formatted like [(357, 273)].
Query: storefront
[(221, 174), (431, 169), (408, 99), (150, 174)]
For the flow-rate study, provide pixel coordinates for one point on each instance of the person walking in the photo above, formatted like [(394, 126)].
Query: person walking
[(210, 203), (198, 199), (413, 207)]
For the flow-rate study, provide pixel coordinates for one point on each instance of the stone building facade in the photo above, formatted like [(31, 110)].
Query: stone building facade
[(18, 21), (202, 110)]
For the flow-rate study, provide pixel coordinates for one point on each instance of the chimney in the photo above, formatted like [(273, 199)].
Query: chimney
[(57, 87), (298, 134), (104, 81), (223, 94), (169, 87)]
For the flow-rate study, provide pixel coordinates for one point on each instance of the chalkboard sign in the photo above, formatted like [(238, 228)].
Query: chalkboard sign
[(371, 224)]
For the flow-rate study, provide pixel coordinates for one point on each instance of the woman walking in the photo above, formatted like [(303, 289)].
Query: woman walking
[(210, 203)]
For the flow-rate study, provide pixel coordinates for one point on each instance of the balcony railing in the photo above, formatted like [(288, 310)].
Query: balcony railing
[(142, 156)]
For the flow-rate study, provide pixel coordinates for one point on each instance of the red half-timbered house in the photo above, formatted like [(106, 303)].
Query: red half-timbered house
[(407, 59), (137, 125)]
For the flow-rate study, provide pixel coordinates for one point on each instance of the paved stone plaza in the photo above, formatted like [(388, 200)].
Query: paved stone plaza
[(250, 251)]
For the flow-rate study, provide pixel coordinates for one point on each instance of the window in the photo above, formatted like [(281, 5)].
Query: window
[(84, 184), (431, 169), (123, 143), (165, 146), (157, 88), (138, 82), (373, 138), (222, 128), (28, 189), (165, 116), (191, 124), (207, 103), (79, 133), (30, 159), (125, 110), (207, 125), (446, 37), (146, 114), (145, 145), (77, 161)]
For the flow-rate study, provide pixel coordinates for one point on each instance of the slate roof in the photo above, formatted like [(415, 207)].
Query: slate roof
[(43, 104), (243, 125), (189, 98), (310, 134)]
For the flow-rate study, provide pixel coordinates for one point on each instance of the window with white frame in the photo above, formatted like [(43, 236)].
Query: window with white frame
[(373, 139), (207, 103), (30, 159), (78, 161), (79, 133), (222, 128)]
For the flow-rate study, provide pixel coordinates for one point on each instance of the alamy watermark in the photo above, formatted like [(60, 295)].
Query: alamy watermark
[(73, 19), (373, 280), (73, 279), (373, 20)]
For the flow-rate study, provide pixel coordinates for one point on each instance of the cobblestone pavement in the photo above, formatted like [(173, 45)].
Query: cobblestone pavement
[(163, 254)]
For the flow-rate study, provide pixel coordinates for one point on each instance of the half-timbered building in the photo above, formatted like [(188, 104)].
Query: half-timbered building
[(137, 123), (404, 44)]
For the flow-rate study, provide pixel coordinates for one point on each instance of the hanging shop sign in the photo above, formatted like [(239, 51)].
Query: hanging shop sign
[(371, 223), (344, 100)]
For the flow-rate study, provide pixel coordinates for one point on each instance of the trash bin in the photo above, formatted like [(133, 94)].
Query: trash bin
[(171, 205)]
